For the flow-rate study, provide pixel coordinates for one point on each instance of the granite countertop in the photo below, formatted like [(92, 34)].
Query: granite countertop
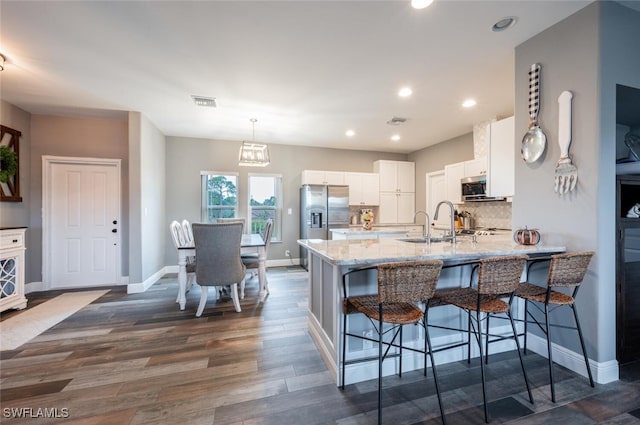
[(360, 229), (368, 251)]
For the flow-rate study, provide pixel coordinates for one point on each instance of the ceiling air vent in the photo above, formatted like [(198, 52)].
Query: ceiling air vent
[(397, 121), (209, 102)]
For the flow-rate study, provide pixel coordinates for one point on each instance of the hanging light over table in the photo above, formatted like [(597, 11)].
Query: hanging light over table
[(254, 154)]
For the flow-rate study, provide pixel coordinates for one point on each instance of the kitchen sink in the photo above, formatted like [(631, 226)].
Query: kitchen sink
[(437, 239), (423, 240)]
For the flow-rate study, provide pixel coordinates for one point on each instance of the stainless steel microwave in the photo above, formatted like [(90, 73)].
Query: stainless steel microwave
[(475, 189)]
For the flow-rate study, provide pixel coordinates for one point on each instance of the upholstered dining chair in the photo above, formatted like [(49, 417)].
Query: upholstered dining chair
[(232, 220), (180, 239), (498, 278), (251, 259), (565, 271), (402, 288), (219, 264)]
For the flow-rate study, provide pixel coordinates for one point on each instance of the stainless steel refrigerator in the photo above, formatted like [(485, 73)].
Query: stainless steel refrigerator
[(321, 208)]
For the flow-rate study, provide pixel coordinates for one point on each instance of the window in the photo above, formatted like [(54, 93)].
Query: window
[(265, 202), (219, 198)]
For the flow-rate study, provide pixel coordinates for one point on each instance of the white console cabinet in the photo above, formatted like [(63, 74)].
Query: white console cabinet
[(12, 253)]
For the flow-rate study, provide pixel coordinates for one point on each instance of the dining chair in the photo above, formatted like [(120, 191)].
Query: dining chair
[(497, 278), (233, 220), (180, 239), (565, 271), (252, 259), (219, 264), (188, 232), (402, 288)]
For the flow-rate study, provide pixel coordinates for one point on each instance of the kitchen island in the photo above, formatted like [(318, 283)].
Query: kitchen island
[(330, 260)]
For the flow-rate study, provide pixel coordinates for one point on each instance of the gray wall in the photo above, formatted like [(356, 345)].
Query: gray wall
[(434, 158), (186, 157), (572, 54), (619, 64), (71, 137), (153, 201), (16, 214), (147, 211), (19, 214)]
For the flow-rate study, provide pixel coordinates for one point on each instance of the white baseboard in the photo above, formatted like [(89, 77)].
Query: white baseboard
[(603, 372), (40, 287), (283, 262), (33, 287), (136, 288)]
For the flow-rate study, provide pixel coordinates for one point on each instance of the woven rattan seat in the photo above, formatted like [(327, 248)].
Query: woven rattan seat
[(397, 313), (403, 287), (538, 293), (467, 298), (498, 277), (565, 271)]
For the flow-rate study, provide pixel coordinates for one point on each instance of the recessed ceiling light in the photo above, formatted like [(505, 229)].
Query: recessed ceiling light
[(395, 137), (420, 4), (204, 101), (350, 133), (504, 23), (469, 103), (405, 92)]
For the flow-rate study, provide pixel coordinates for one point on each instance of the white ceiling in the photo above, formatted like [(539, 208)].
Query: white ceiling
[(307, 70)]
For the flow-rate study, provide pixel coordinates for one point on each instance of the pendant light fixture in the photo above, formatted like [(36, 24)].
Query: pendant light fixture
[(254, 154)]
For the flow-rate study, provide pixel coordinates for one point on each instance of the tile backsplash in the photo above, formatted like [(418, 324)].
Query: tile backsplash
[(489, 214)]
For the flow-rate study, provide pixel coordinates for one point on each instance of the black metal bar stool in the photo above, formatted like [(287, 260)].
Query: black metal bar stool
[(497, 277), (402, 286), (565, 270)]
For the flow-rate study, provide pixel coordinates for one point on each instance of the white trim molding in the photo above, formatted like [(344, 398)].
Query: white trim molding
[(603, 372)]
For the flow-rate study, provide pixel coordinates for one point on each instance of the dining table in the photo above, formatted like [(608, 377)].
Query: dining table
[(252, 240)]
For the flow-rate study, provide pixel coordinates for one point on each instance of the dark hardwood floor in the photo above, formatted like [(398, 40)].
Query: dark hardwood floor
[(137, 359)]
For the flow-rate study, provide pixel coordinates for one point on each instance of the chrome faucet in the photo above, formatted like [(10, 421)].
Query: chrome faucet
[(427, 229), (452, 230)]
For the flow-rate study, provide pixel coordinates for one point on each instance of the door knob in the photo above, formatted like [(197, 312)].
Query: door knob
[(115, 221)]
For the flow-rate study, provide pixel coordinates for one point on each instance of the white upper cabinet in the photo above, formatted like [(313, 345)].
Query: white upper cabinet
[(475, 167), (453, 173), (364, 188), (396, 176), (501, 158), (323, 177)]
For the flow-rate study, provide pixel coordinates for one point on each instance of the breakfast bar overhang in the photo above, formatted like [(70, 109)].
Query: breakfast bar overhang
[(329, 260)]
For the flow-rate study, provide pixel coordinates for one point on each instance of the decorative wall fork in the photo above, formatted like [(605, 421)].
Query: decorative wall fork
[(566, 175)]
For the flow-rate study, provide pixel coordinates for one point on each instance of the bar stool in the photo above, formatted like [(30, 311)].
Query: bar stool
[(401, 286), (565, 270), (497, 277)]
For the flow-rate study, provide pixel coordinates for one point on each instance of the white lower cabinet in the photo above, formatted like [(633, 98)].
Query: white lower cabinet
[(12, 249)]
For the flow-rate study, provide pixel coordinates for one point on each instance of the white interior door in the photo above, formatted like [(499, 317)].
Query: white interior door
[(436, 192), (81, 222)]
